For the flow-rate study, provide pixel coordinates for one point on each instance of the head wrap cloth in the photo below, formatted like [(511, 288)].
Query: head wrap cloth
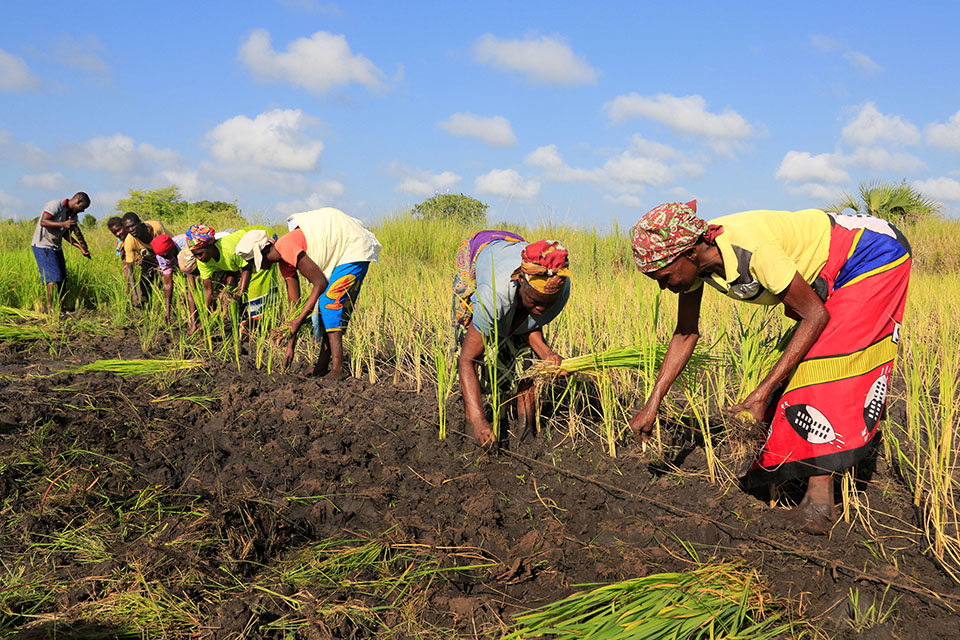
[(544, 265), (186, 261), (200, 235), (666, 231), (161, 244)]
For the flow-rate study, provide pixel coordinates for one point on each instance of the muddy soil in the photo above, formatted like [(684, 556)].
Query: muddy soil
[(256, 456)]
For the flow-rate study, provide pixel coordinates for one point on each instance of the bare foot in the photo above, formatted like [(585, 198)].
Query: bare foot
[(816, 513), (336, 374), (809, 518), (528, 428)]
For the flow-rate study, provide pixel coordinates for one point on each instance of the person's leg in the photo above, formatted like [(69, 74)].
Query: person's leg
[(335, 307), (337, 370), (816, 513), (526, 410)]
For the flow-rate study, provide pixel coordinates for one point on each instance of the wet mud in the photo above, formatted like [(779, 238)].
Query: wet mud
[(268, 464)]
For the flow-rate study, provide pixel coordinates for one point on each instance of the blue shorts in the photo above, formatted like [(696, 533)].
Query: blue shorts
[(336, 304), (51, 264)]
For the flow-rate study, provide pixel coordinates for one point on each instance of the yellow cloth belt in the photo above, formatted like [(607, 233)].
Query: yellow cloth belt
[(829, 369)]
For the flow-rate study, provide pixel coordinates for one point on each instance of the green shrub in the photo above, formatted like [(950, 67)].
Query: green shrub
[(447, 206), (89, 222)]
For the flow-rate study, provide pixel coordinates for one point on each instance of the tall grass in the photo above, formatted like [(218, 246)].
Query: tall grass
[(399, 334)]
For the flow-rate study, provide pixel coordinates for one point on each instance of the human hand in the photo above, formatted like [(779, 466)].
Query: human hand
[(554, 359), (753, 407), (288, 352), (642, 423), (483, 434), (194, 327)]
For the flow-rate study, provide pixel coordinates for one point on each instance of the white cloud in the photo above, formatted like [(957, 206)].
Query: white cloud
[(274, 139), (507, 183), (945, 136), (801, 166), (946, 189), (77, 52), (686, 115), (318, 63), (419, 182), (856, 59), (543, 59), (493, 130), (862, 61), (880, 159), (45, 181), (11, 206), (624, 199), (644, 163), (870, 126), (14, 74), (825, 43), (325, 194), (815, 191), (119, 154)]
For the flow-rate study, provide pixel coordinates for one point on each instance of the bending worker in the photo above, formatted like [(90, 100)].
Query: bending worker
[(505, 290), (333, 251), (218, 254), (844, 277)]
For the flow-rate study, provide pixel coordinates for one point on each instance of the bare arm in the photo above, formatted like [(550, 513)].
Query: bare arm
[(681, 346), (167, 294), (245, 274), (541, 348), (311, 272), (131, 285), (802, 300), (191, 303), (46, 220), (471, 355), (293, 291), (208, 293)]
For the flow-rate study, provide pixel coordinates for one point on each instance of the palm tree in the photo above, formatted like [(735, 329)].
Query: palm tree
[(894, 202)]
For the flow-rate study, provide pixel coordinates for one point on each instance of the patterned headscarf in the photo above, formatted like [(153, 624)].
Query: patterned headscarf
[(665, 232), (545, 265), (186, 260), (200, 235)]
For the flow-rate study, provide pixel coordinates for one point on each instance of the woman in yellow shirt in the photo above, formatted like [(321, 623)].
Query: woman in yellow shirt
[(844, 277)]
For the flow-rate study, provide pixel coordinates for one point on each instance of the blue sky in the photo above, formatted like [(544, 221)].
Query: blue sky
[(584, 113)]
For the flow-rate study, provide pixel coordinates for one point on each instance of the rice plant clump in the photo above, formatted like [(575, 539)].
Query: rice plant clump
[(723, 601), (136, 367)]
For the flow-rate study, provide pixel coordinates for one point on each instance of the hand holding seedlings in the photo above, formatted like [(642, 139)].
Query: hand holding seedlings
[(642, 423), (752, 408)]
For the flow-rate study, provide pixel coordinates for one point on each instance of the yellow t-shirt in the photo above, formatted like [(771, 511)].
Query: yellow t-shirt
[(763, 250), (132, 247)]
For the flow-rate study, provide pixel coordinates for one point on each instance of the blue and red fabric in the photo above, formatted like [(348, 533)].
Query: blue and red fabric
[(465, 278), (826, 419)]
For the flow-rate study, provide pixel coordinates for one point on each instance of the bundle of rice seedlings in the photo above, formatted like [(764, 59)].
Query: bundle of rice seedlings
[(638, 357), (128, 368), (14, 312), (723, 601), (16, 332)]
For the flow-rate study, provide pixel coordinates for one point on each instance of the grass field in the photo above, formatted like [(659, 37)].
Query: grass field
[(400, 336)]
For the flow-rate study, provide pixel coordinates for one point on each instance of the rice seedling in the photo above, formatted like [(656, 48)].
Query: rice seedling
[(136, 367), (713, 601), (19, 332)]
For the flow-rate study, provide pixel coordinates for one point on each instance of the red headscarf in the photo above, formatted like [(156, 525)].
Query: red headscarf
[(545, 266)]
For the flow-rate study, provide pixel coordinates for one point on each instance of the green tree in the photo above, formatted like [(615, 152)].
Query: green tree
[(89, 221), (890, 201), (168, 205), (457, 207)]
